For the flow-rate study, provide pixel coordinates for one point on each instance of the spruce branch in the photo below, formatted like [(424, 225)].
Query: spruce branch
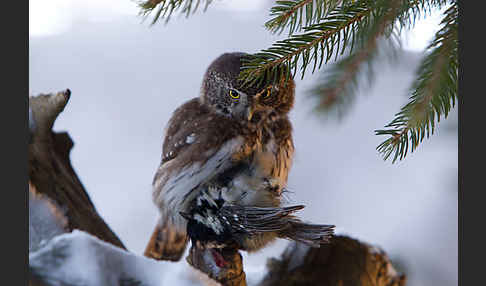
[(167, 7), (292, 13), (413, 10), (433, 93), (337, 87), (316, 45), (351, 24)]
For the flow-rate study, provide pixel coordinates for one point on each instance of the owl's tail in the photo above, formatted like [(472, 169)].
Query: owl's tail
[(311, 234), (166, 242)]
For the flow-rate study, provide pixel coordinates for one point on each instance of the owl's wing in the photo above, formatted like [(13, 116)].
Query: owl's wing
[(199, 145)]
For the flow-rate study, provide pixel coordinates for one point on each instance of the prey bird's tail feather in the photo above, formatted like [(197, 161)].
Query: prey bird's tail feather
[(311, 234), (166, 242), (257, 220)]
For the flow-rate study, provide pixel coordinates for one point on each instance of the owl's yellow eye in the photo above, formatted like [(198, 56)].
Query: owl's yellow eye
[(234, 94), (267, 93)]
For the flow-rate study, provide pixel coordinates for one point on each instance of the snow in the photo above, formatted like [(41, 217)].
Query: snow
[(43, 223), (78, 258)]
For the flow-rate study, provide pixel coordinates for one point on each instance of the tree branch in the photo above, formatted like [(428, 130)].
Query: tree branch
[(345, 261), (51, 176)]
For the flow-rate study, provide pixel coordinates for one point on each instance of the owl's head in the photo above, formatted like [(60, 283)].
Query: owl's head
[(222, 91)]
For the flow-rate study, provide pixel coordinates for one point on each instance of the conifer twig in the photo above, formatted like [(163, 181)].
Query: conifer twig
[(433, 93), (167, 7), (291, 13)]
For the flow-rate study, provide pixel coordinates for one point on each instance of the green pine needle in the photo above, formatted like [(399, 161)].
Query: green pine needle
[(433, 93), (316, 45), (339, 82), (348, 27), (295, 14), (167, 7)]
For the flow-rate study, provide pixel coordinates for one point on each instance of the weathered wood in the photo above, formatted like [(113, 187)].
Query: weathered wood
[(344, 262), (51, 174)]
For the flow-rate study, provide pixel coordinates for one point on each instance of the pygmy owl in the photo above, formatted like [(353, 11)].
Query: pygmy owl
[(225, 162)]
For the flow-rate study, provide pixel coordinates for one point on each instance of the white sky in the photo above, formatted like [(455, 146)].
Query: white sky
[(48, 17)]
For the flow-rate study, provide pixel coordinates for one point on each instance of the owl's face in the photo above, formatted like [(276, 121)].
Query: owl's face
[(222, 91)]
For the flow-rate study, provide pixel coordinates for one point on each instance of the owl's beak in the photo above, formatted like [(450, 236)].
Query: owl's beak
[(253, 106), (249, 113)]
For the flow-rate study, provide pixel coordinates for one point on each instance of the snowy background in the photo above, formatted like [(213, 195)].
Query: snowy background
[(127, 77)]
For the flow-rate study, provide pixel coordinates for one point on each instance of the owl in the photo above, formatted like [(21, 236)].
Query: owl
[(225, 163)]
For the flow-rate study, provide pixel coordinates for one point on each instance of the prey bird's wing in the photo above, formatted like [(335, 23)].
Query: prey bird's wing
[(256, 220)]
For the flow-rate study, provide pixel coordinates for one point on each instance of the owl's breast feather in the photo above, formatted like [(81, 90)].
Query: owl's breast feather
[(264, 177)]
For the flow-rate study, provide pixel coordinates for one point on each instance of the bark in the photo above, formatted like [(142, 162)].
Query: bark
[(345, 261), (51, 175)]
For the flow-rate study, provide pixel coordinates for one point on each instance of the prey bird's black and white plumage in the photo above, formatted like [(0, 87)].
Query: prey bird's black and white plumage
[(217, 224), (225, 162)]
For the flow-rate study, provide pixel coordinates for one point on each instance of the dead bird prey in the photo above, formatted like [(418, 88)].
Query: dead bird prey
[(215, 224)]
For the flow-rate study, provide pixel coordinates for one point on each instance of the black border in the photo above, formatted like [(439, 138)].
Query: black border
[(471, 122), (14, 118)]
